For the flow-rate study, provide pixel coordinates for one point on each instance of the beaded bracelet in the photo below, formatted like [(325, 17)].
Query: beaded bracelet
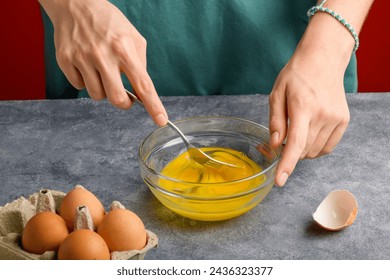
[(320, 8)]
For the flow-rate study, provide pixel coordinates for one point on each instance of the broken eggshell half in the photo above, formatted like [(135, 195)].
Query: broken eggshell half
[(337, 211)]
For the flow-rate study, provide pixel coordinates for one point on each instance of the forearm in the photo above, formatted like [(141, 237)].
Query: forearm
[(324, 33), (57, 10), (51, 6), (354, 11)]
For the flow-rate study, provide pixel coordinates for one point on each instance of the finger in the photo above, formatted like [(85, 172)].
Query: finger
[(143, 85), (278, 116), (318, 144), (312, 135), (333, 140), (70, 71), (113, 86), (93, 82), (141, 51), (296, 142), (140, 45)]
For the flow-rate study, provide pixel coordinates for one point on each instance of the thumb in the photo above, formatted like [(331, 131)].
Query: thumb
[(278, 116)]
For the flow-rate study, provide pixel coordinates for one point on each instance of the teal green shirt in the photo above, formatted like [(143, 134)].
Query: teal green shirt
[(205, 47)]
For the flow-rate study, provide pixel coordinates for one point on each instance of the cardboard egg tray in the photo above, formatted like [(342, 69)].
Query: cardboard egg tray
[(15, 215)]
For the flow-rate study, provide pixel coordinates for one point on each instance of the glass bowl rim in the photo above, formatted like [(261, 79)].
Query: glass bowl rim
[(160, 176)]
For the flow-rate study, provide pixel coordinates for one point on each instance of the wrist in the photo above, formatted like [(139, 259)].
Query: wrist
[(60, 11), (52, 8), (327, 37)]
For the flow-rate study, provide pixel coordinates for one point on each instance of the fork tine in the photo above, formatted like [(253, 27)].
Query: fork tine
[(202, 158)]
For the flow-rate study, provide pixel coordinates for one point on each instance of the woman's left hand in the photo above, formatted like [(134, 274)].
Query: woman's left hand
[(308, 108)]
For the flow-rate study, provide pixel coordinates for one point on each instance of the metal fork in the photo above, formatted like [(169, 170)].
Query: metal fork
[(195, 153)]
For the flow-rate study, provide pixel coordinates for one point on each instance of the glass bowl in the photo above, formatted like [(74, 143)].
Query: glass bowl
[(224, 200)]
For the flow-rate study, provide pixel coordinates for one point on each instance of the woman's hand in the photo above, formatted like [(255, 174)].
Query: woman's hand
[(95, 43), (308, 106)]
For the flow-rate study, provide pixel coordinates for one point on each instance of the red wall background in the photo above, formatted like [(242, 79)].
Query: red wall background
[(374, 51), (22, 66)]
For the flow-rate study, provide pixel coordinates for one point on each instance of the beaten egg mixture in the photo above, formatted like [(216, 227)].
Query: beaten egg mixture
[(204, 181), (211, 194)]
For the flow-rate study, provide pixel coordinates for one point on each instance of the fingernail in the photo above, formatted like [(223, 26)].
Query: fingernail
[(275, 137), (282, 179), (161, 119)]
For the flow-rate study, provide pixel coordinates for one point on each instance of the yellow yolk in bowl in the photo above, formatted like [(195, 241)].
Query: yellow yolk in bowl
[(207, 181), (196, 182)]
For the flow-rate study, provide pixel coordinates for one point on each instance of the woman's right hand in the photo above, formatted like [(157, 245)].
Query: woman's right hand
[(95, 43)]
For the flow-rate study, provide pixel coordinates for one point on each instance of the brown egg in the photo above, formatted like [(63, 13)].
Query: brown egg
[(44, 232), (79, 196), (123, 230), (83, 244)]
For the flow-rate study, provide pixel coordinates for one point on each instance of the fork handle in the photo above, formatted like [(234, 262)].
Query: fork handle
[(182, 136), (134, 98)]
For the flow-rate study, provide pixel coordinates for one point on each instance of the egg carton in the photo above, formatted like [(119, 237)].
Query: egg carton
[(15, 215)]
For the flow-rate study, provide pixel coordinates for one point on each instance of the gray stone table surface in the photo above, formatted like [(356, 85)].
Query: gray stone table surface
[(57, 144)]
